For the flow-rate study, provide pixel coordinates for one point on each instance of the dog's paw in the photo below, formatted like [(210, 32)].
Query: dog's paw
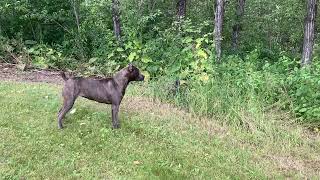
[(60, 126), (116, 126)]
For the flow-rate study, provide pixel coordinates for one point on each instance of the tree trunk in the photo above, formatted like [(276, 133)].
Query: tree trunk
[(152, 5), (237, 27), (219, 13), (75, 6), (76, 14), (116, 19), (181, 9), (309, 29), (141, 7)]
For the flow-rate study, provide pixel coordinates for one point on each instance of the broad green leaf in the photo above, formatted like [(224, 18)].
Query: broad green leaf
[(303, 110), (175, 68), (199, 42), (198, 45), (182, 82), (152, 69), (146, 59), (31, 50), (92, 60), (146, 75), (202, 54), (30, 42), (194, 65), (131, 56), (119, 49), (188, 39), (138, 44), (50, 51), (110, 55), (184, 74), (204, 77)]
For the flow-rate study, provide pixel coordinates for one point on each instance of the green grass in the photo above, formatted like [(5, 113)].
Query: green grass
[(155, 142)]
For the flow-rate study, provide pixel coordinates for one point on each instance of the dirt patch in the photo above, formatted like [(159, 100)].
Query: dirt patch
[(291, 165), (10, 72)]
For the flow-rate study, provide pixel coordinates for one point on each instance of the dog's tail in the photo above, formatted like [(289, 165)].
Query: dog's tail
[(64, 77)]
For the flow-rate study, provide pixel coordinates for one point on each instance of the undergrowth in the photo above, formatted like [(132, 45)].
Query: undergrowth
[(252, 81), (238, 84)]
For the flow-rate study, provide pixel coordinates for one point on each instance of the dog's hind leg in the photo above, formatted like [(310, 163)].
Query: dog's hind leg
[(59, 111), (67, 105)]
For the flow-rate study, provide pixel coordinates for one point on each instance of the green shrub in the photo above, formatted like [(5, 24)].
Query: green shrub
[(304, 89), (237, 84)]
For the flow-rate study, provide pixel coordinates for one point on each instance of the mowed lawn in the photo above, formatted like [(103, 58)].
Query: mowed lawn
[(148, 146)]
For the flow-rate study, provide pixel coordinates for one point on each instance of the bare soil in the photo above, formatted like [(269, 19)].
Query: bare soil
[(10, 72)]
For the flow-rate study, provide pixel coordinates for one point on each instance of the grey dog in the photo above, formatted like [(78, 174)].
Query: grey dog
[(106, 90)]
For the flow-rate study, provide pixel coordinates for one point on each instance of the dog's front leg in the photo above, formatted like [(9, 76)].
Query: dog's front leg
[(115, 120)]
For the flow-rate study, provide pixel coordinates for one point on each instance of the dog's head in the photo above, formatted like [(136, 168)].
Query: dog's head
[(133, 73)]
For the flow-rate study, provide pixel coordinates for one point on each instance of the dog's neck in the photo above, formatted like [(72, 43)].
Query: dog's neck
[(121, 80)]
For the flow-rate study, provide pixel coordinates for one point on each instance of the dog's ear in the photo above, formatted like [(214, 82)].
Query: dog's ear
[(130, 67)]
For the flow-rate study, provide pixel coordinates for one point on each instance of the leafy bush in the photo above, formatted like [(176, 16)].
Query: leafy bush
[(304, 89), (242, 84), (13, 51), (45, 57)]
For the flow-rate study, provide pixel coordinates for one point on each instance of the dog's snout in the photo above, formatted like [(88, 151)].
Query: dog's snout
[(141, 77)]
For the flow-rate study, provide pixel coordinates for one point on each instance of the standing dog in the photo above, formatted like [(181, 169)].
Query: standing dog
[(107, 90)]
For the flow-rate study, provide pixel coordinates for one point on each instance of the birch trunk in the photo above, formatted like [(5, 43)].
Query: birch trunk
[(309, 29), (219, 13)]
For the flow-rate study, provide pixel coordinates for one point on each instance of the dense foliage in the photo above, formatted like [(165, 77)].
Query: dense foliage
[(45, 34)]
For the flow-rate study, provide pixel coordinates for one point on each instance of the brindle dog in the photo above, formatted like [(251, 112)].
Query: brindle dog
[(106, 90)]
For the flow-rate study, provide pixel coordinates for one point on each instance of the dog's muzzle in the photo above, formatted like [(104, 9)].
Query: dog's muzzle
[(141, 77)]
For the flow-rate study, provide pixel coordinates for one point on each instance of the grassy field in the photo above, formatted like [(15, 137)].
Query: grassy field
[(156, 141)]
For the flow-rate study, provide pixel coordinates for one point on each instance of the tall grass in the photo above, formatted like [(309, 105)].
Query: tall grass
[(232, 101), (248, 88), (256, 105), (241, 93)]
